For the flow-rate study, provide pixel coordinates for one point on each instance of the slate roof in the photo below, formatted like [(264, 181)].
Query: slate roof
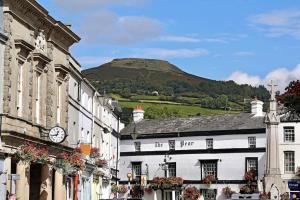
[(193, 124), (290, 117)]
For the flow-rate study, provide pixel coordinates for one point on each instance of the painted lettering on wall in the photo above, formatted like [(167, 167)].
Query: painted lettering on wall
[(186, 143), (158, 144)]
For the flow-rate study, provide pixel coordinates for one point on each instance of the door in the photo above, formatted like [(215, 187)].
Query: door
[(35, 181)]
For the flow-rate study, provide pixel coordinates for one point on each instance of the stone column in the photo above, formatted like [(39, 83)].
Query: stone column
[(7, 168), (22, 185), (46, 183), (60, 187), (173, 195)]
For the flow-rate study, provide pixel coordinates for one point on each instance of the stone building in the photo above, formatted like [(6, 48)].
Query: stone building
[(221, 147), (34, 94)]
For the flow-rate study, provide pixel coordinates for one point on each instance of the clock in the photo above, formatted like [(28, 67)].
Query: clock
[(57, 134)]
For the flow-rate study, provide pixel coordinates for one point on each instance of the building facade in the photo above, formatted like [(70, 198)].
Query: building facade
[(225, 147), (34, 86)]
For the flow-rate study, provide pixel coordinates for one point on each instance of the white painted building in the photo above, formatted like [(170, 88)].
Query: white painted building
[(224, 146), (93, 120)]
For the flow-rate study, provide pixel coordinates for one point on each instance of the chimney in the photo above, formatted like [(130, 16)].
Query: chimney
[(138, 114), (257, 107)]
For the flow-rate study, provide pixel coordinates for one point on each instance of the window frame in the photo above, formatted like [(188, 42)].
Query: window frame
[(171, 145), (285, 167), (203, 192), (249, 142), (137, 144), (207, 143), (133, 171), (202, 162), (251, 159), (286, 135), (170, 164)]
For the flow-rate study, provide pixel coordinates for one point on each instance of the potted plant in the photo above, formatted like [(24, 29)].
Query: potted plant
[(227, 192), (250, 175), (245, 189), (191, 193), (70, 162), (114, 188)]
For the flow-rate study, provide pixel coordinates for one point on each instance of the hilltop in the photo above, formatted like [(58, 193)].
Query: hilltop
[(160, 82)]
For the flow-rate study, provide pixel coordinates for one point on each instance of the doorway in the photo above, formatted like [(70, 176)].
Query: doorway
[(35, 181)]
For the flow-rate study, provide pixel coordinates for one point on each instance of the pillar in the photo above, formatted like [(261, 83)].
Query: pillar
[(173, 195), (60, 187), (7, 170), (22, 185), (46, 183)]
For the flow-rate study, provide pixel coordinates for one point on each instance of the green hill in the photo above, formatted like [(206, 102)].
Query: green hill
[(157, 81)]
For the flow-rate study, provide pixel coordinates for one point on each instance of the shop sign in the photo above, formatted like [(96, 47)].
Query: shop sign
[(294, 185)]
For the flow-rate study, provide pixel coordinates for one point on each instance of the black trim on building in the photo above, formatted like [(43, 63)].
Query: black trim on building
[(195, 151), (197, 133), (199, 182)]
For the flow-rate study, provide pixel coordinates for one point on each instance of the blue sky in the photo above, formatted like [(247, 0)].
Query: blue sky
[(249, 41)]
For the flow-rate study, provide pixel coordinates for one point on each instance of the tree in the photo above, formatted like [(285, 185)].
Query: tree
[(291, 97)]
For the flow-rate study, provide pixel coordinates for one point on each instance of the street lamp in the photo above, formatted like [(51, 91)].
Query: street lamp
[(129, 176)]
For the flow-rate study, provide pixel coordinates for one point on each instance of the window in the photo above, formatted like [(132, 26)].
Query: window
[(38, 97), (171, 144), (209, 143), (252, 164), (20, 91), (289, 161), (79, 92), (289, 134), (252, 142), (171, 169), (58, 109), (208, 167), (137, 146), (136, 171), (209, 194)]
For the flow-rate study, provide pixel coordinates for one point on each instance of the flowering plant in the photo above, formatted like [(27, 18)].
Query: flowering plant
[(94, 152), (101, 163), (122, 189), (285, 196), (98, 173), (164, 182), (191, 193), (245, 189), (30, 152), (227, 192), (114, 188), (136, 191), (70, 162), (209, 179), (263, 196), (250, 175), (148, 190)]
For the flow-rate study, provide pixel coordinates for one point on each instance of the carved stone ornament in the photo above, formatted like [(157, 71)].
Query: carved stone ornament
[(40, 42)]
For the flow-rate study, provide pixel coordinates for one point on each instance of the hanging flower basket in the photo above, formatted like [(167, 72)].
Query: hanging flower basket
[(122, 189), (95, 152), (209, 179), (98, 173), (70, 163), (101, 163), (32, 153), (114, 188), (250, 175), (227, 192), (166, 183), (191, 193), (149, 190), (264, 196)]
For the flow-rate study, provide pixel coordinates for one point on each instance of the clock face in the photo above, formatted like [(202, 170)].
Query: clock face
[(57, 134)]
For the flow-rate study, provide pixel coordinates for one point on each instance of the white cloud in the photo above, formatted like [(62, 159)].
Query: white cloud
[(171, 53), (278, 23), (81, 5), (93, 61), (106, 27), (282, 76), (244, 53), (170, 38)]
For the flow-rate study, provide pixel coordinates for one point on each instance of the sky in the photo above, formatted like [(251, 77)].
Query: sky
[(248, 41)]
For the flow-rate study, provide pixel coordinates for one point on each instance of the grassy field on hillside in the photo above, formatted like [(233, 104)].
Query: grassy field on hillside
[(178, 110)]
